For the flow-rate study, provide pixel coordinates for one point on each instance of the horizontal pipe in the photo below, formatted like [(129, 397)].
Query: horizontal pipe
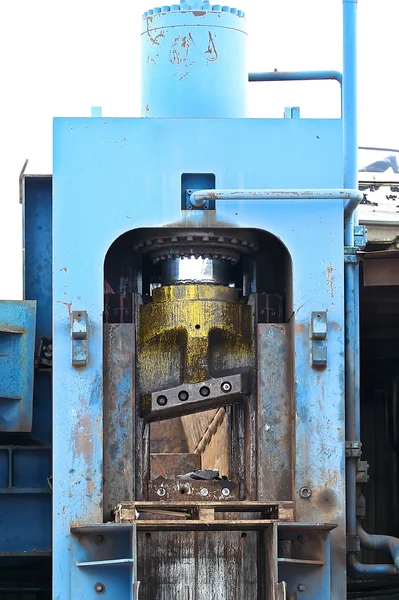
[(296, 76), (379, 542), (198, 198), (359, 570)]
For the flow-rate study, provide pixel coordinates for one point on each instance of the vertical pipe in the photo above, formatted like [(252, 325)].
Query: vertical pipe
[(349, 96), (352, 367), (352, 384)]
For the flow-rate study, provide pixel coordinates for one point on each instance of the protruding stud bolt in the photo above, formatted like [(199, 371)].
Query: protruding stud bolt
[(226, 387), (225, 492), (99, 588)]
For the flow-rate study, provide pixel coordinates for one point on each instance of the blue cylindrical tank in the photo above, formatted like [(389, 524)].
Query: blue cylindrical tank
[(194, 61)]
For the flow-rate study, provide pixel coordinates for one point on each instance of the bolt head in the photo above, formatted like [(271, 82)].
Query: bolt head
[(99, 588), (161, 492), (162, 400), (204, 492), (226, 387), (301, 587), (225, 492)]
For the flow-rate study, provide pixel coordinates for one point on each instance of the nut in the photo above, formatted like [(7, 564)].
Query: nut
[(305, 492), (161, 492), (226, 387), (225, 492), (204, 492)]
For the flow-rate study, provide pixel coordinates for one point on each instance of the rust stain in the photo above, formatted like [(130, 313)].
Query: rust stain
[(213, 54), (67, 304), (199, 13), (330, 277), (299, 328), (64, 269)]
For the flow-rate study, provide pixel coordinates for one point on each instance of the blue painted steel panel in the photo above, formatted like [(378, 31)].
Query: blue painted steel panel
[(104, 558), (136, 183), (25, 524), (38, 285), (17, 345), (37, 235)]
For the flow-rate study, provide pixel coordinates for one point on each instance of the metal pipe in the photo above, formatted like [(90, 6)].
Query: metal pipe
[(296, 76), (349, 113), (379, 542), (352, 386), (199, 197), (352, 366), (358, 570)]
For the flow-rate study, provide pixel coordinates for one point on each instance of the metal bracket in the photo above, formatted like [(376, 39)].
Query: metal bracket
[(360, 236), (190, 398), (350, 254), (292, 112), (189, 206), (353, 449), (360, 507), (318, 337), (79, 334), (362, 471)]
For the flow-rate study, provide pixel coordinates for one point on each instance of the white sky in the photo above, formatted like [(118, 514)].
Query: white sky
[(60, 57)]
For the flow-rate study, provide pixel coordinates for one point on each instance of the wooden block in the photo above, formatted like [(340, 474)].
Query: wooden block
[(206, 514), (285, 513)]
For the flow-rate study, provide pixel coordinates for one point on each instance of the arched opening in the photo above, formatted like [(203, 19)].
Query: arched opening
[(194, 301)]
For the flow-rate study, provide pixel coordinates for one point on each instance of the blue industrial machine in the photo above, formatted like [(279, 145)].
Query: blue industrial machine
[(189, 346)]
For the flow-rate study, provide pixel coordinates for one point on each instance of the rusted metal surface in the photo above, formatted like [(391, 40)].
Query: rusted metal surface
[(165, 490), (199, 565), (119, 463), (127, 512), (275, 416), (169, 439), (169, 465)]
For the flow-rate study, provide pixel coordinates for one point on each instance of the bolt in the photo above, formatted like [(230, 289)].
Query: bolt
[(183, 395), (305, 492), (226, 387), (301, 587), (161, 492), (162, 400), (225, 492), (204, 492), (205, 391), (99, 588)]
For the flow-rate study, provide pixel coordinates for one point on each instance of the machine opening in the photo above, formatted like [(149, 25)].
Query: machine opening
[(186, 306)]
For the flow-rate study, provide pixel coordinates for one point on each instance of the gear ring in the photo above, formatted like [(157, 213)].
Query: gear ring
[(197, 243)]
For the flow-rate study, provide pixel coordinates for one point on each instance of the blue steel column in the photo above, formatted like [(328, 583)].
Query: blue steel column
[(194, 61)]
